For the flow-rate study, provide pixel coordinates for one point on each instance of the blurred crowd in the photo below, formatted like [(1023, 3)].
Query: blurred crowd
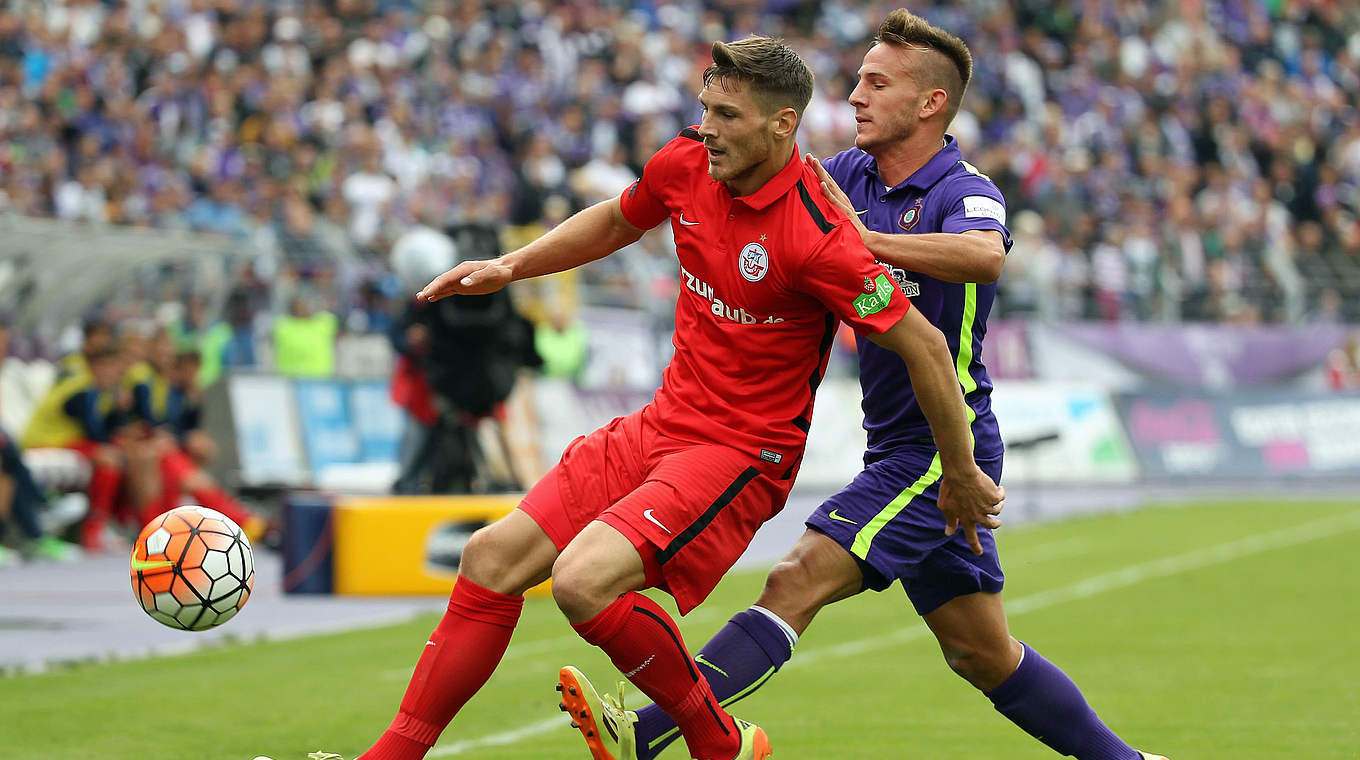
[(1163, 159)]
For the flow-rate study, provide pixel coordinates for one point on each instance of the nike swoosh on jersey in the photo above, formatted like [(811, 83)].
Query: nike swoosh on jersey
[(684, 222), (832, 514), (862, 213), (648, 514), (142, 565)]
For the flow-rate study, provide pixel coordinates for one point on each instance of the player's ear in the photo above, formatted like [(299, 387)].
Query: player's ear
[(784, 123), (936, 100)]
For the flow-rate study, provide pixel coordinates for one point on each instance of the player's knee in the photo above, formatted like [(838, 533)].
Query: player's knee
[(983, 667), (577, 590), (789, 583), (794, 592), (480, 560), (812, 576), (494, 560)]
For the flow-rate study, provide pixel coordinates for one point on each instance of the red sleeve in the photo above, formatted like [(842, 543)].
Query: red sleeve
[(644, 202), (842, 274)]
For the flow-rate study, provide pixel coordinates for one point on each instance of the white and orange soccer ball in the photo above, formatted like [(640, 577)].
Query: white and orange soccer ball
[(192, 568)]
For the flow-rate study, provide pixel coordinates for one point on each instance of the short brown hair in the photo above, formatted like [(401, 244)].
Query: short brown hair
[(904, 29), (778, 76)]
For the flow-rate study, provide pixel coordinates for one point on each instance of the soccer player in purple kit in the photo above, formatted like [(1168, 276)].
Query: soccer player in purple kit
[(939, 226)]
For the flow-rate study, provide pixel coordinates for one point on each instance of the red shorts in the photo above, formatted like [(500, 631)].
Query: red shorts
[(690, 509)]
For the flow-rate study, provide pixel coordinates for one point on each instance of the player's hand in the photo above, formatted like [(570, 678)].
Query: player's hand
[(836, 195), (473, 278), (970, 501)]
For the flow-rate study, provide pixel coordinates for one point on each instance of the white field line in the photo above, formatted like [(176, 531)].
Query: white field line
[(558, 721), (1084, 589), (1033, 555)]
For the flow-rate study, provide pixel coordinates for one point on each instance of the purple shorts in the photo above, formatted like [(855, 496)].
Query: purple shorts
[(887, 518)]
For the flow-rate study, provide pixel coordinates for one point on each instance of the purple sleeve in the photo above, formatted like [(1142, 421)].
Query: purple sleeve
[(972, 202)]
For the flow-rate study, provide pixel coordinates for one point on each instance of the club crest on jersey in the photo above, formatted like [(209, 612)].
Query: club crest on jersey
[(911, 216), (754, 262)]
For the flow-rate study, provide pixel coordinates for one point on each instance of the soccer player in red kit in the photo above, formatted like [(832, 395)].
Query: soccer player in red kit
[(669, 496)]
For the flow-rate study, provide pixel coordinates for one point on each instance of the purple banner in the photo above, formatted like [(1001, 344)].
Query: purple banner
[(1213, 356), (1248, 435)]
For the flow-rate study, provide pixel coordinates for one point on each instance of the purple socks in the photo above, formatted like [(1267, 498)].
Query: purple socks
[(1042, 700), (1038, 697), (739, 659)]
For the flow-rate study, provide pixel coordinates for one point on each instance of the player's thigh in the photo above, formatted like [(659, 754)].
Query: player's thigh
[(598, 566), (510, 555)]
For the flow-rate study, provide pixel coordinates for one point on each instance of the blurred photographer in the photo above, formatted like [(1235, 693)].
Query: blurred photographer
[(459, 359)]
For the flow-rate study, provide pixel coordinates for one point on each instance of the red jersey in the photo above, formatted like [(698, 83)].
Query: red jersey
[(764, 278)]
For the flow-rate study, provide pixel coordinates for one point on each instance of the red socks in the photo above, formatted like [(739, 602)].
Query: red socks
[(103, 492), (646, 647), (458, 659)]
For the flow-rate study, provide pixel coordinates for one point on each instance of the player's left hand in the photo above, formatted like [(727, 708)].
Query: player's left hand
[(836, 195), (473, 278), (969, 501)]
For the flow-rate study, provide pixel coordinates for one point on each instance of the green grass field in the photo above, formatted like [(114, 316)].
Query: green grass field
[(1212, 632)]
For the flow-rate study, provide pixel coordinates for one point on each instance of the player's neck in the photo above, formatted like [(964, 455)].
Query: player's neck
[(762, 172), (899, 160)]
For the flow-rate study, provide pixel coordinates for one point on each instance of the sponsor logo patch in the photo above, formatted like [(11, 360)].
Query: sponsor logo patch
[(720, 308), (980, 206), (771, 456), (873, 303)]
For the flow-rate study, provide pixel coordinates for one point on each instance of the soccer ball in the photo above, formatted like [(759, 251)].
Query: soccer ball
[(192, 568)]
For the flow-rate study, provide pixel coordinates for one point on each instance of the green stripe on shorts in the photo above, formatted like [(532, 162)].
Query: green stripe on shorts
[(866, 535)]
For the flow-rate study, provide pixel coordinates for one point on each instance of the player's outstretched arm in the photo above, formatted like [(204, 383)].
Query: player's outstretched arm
[(968, 497), (972, 256), (586, 236)]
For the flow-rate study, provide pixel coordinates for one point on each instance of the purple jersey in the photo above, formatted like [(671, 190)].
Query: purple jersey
[(946, 195)]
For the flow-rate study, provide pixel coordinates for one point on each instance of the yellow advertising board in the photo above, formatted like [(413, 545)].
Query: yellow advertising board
[(391, 545)]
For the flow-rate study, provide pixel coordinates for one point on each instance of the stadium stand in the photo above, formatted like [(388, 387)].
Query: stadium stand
[(1184, 161)]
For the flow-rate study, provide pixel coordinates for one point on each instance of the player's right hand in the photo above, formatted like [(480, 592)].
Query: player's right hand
[(969, 501), (472, 278)]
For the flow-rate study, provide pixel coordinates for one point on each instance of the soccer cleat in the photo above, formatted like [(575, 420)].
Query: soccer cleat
[(1150, 756), (755, 745), (608, 729)]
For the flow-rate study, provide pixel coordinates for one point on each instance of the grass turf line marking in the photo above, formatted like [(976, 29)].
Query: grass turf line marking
[(507, 737), (1099, 584), (1047, 552), (1093, 586)]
